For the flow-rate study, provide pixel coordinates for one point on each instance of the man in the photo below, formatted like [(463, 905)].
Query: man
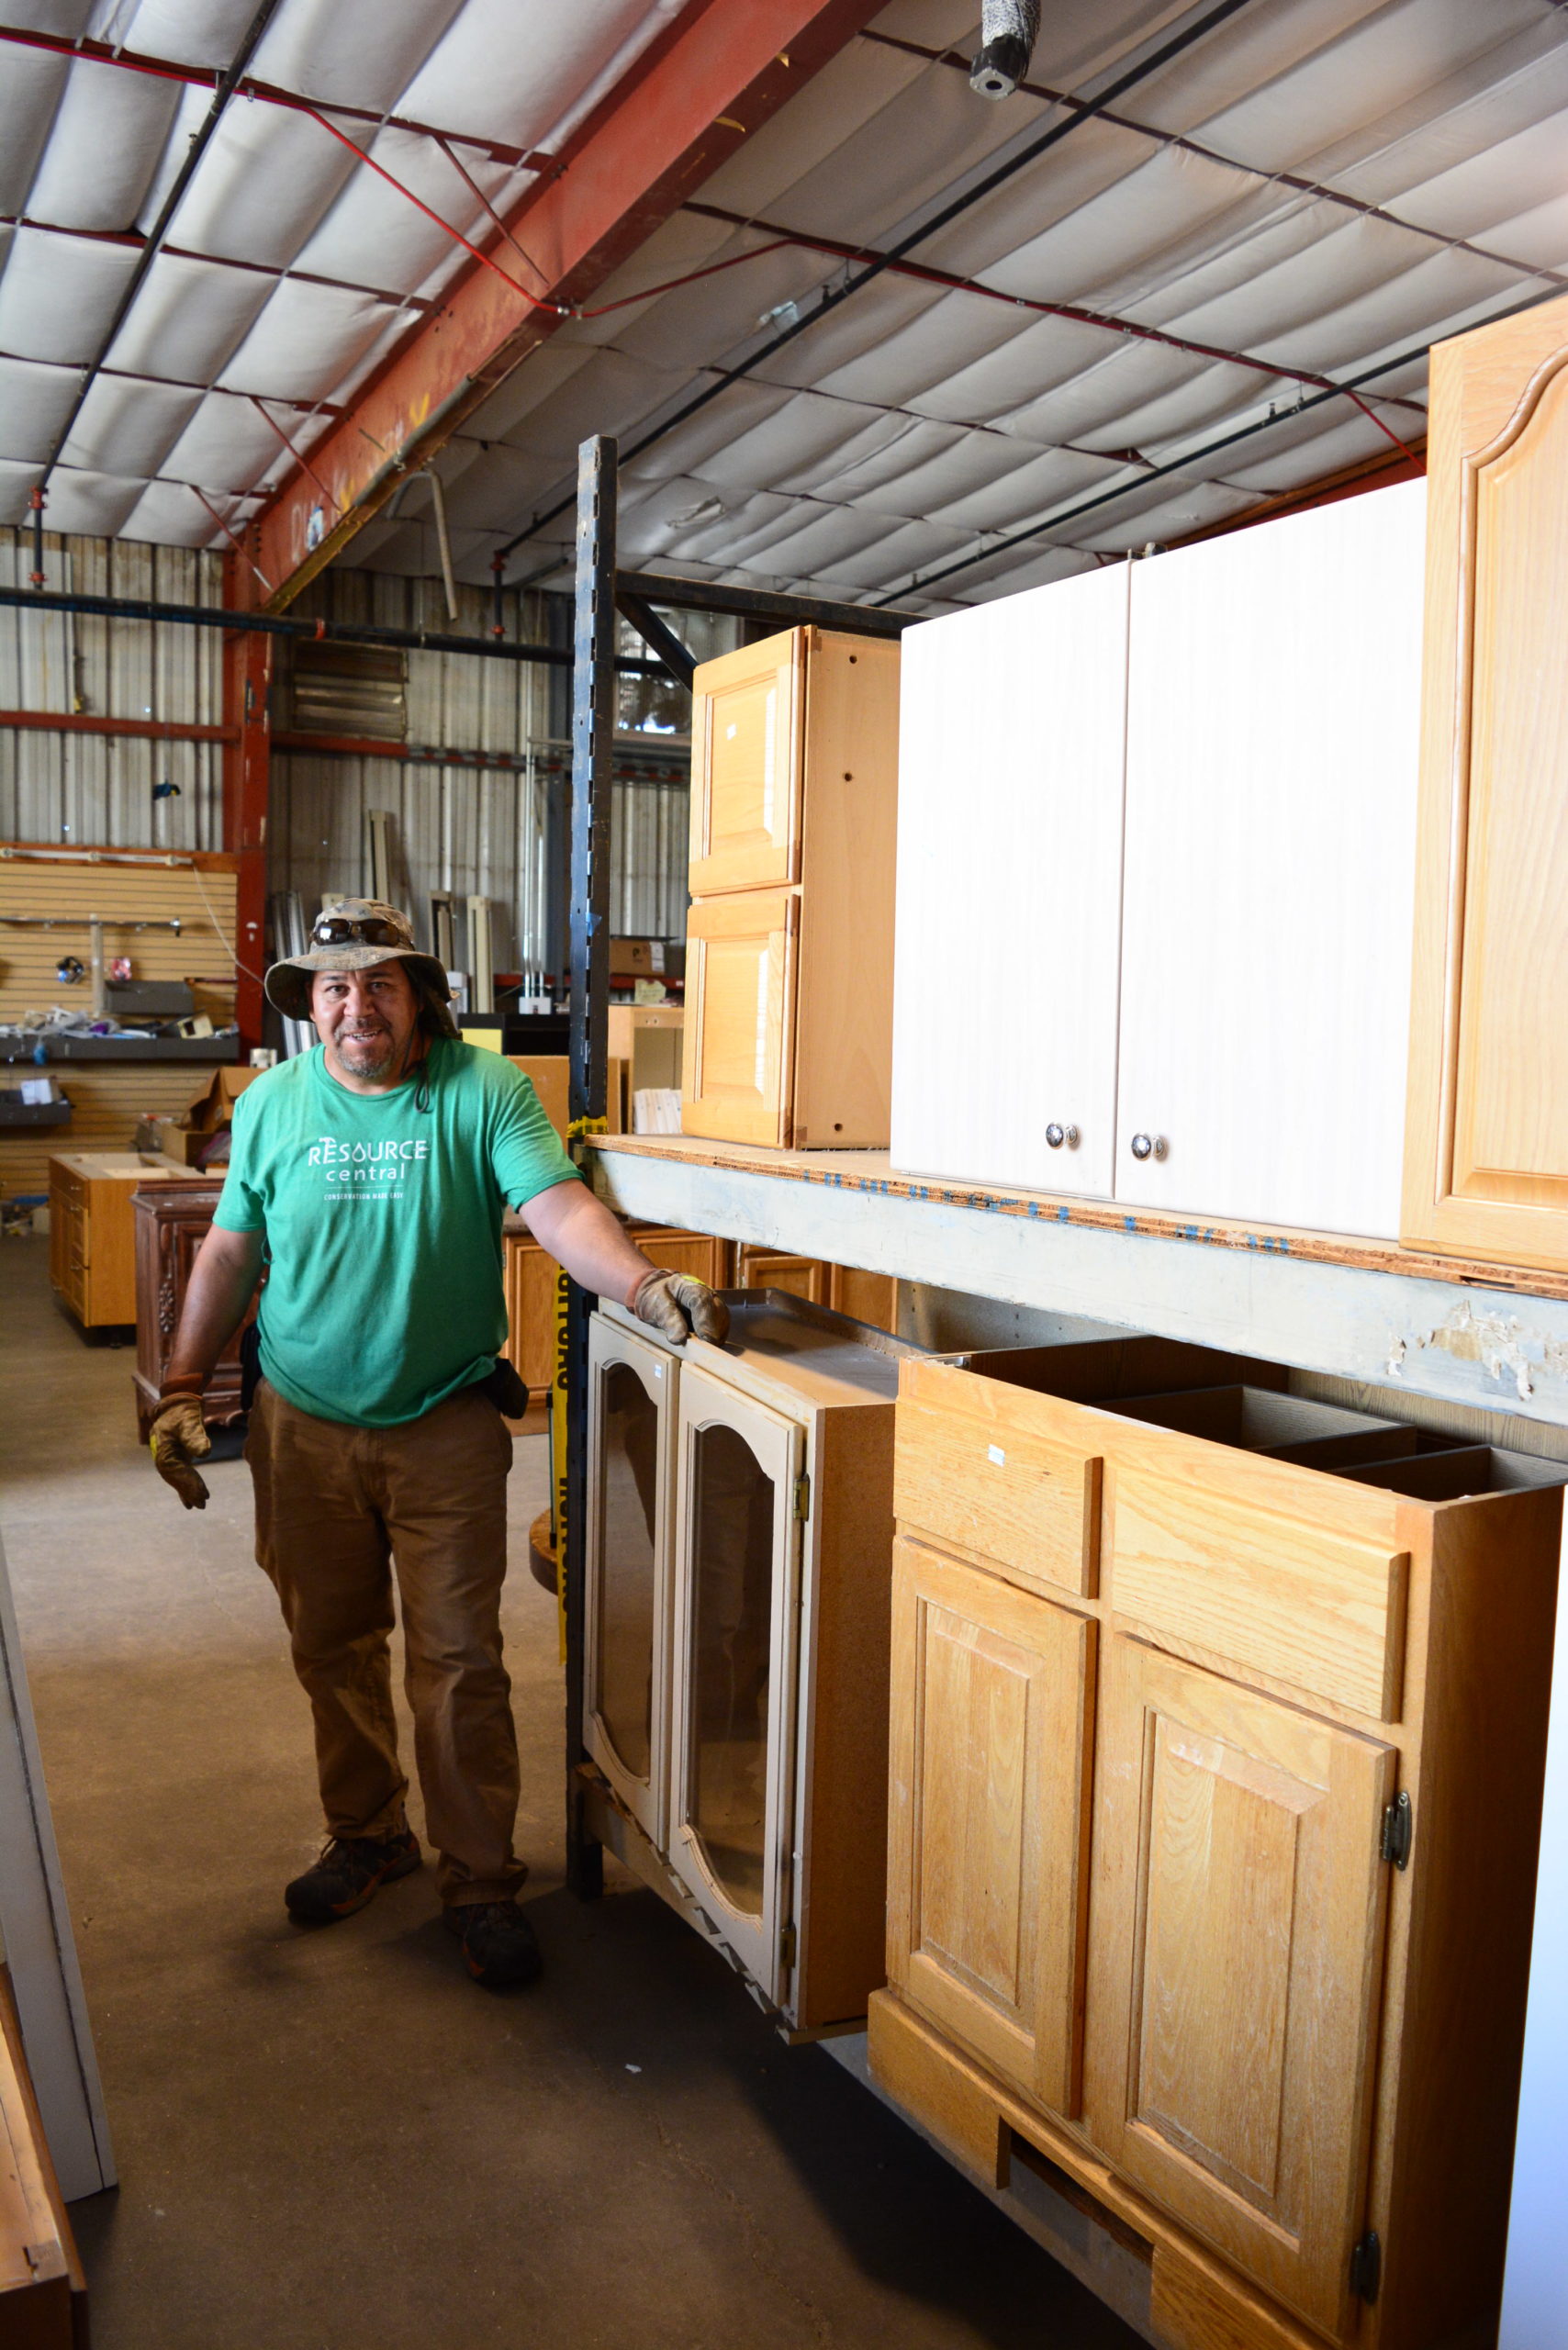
[(371, 1175)]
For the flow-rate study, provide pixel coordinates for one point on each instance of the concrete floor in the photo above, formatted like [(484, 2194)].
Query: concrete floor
[(333, 2141)]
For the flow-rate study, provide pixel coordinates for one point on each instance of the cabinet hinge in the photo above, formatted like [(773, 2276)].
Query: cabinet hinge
[(1366, 2266), (1395, 1842), (787, 1948), (802, 1498)]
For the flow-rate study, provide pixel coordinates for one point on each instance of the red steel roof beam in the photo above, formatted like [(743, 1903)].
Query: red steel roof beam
[(681, 110)]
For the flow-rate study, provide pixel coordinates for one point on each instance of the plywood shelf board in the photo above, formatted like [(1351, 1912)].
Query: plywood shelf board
[(1351, 1308)]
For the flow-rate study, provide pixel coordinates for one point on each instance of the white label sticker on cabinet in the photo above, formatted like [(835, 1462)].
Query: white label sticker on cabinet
[(730, 732), (659, 1371), (994, 1453)]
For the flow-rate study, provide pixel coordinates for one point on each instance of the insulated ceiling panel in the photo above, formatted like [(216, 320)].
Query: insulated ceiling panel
[(1006, 393)]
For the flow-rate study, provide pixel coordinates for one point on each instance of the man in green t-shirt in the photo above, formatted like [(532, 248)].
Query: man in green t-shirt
[(371, 1175)]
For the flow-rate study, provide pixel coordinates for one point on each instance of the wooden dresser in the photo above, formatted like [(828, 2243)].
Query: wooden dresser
[(91, 1248)]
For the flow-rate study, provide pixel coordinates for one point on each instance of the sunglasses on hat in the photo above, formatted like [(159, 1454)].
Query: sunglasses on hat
[(342, 930)]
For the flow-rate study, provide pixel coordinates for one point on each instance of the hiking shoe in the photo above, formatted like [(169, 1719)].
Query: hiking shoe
[(351, 1872), (497, 1943)]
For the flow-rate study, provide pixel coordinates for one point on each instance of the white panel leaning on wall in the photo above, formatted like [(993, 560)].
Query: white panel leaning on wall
[(1156, 866)]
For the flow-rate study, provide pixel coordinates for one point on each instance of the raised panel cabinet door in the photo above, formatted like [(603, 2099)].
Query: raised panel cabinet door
[(1273, 708), (1238, 1914), (632, 1386), (804, 1277), (1487, 1164), (1011, 756), (993, 1716), (733, 1667), (740, 1036), (745, 769)]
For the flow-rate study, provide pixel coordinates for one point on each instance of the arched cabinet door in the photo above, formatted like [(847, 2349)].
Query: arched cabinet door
[(736, 1577), (1487, 1165), (626, 1660)]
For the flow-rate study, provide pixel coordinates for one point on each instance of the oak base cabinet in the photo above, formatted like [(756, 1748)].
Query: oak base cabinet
[(1297, 1716), (92, 1228)]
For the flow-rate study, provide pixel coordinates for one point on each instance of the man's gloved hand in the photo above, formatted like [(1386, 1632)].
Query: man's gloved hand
[(178, 1437), (679, 1307)]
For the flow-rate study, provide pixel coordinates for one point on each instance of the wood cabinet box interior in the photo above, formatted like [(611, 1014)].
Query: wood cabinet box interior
[(1218, 1729), (790, 939)]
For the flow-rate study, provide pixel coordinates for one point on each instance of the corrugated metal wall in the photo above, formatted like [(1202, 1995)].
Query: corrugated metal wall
[(493, 830), (95, 788)]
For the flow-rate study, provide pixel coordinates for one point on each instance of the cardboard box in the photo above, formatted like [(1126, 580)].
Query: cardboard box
[(186, 1135), (637, 959), (548, 1071)]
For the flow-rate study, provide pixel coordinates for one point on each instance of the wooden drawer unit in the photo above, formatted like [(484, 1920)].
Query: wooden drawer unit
[(1301, 1712), (790, 940), (92, 1257)]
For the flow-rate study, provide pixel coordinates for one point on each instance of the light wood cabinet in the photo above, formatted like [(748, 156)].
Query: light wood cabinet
[(530, 1275), (92, 1228), (1158, 823), (1303, 1710), (1238, 1924), (1486, 1172), (994, 1712), (788, 991)]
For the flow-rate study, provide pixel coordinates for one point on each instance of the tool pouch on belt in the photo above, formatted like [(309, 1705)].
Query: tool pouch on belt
[(505, 1389)]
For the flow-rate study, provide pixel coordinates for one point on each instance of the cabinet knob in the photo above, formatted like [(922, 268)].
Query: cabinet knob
[(1148, 1146), (1056, 1135)]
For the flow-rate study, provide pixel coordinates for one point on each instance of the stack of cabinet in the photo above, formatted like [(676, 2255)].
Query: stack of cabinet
[(1217, 1733), (788, 974), (1156, 873), (735, 1700)]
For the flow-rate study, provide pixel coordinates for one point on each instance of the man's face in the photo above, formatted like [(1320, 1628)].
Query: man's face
[(366, 1019)]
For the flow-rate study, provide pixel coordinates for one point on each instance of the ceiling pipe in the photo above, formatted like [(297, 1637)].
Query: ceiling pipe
[(1009, 30), (160, 229), (428, 472)]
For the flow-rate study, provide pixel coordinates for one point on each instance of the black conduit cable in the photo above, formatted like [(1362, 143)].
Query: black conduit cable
[(829, 301), (200, 141)]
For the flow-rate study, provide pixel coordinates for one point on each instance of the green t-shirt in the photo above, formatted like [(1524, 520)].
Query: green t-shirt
[(382, 1223)]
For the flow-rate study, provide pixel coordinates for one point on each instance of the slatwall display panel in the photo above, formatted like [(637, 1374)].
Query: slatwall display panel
[(106, 1098)]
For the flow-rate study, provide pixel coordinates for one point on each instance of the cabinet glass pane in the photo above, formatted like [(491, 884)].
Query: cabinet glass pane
[(732, 1571), (623, 1698)]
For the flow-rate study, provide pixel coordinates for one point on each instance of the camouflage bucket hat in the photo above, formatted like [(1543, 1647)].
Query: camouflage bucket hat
[(353, 935)]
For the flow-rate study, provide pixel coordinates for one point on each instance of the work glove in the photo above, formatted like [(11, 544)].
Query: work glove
[(679, 1308), (178, 1437)]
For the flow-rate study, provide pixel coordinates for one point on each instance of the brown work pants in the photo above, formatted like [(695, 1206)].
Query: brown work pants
[(339, 1510)]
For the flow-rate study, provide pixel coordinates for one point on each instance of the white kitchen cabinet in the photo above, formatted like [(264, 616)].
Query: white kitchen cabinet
[(1009, 875), (1274, 721), (1156, 874)]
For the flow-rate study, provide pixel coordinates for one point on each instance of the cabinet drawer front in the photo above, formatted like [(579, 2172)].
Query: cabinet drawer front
[(1309, 1606), (995, 1487), (745, 798), (988, 1843), (741, 1017)]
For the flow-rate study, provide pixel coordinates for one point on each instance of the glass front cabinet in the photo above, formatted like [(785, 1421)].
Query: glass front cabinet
[(738, 1600)]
